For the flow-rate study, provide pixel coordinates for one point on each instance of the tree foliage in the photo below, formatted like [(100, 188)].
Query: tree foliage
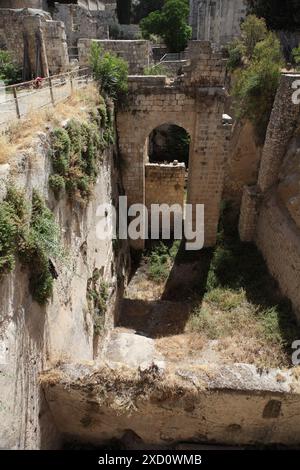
[(170, 23), (110, 71), (257, 76), (279, 14)]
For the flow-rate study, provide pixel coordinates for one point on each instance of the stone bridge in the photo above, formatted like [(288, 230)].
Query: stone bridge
[(195, 102)]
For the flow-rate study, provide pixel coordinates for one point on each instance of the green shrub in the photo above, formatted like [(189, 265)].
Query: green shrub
[(32, 237), (57, 184), (157, 69), (160, 260), (10, 73), (76, 152), (97, 296), (256, 84), (110, 71), (296, 56)]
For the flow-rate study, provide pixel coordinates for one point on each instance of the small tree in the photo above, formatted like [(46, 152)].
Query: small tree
[(171, 24), (253, 30), (110, 71), (256, 84)]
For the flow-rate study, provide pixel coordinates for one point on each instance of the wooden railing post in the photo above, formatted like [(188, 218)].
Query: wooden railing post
[(51, 91), (71, 82), (16, 102)]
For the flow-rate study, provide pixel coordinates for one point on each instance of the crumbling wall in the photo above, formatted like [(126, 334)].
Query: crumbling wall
[(36, 42), (82, 23), (137, 53)]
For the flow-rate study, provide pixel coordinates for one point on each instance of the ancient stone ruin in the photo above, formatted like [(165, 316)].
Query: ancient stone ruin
[(140, 343)]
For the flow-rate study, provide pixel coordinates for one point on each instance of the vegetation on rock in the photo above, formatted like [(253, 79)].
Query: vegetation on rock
[(256, 62), (76, 151), (97, 297), (28, 232)]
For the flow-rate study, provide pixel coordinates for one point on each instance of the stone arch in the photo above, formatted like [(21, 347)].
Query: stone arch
[(195, 103), (169, 142)]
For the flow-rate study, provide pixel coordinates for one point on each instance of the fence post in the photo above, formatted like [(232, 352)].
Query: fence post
[(16, 102), (51, 91), (71, 82)]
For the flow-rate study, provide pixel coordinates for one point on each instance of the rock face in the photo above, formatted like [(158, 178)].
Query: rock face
[(33, 336)]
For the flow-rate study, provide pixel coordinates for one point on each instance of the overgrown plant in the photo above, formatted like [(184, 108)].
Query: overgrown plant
[(29, 233), (97, 297), (10, 73), (110, 71), (76, 152), (259, 60)]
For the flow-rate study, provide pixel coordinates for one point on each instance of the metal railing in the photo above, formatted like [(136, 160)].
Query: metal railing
[(172, 57), (17, 101)]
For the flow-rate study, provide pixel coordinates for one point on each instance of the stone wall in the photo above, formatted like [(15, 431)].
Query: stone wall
[(206, 403), (137, 53), (278, 238), (270, 210), (217, 21), (32, 31), (82, 23), (164, 184), (38, 4), (243, 162)]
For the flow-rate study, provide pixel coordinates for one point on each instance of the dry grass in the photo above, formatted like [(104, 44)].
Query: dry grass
[(121, 389), (6, 149), (244, 333), (20, 133)]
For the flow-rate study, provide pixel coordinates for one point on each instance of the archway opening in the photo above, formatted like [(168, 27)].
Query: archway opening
[(168, 143), (166, 175)]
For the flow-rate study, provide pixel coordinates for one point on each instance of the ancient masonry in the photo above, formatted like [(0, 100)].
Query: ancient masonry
[(268, 217), (194, 103), (37, 42), (217, 21), (137, 53)]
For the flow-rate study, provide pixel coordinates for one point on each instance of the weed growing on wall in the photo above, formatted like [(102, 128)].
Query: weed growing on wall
[(29, 233), (97, 297), (256, 62), (76, 152)]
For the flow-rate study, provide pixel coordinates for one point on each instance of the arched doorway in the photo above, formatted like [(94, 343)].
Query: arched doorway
[(167, 143), (166, 170)]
